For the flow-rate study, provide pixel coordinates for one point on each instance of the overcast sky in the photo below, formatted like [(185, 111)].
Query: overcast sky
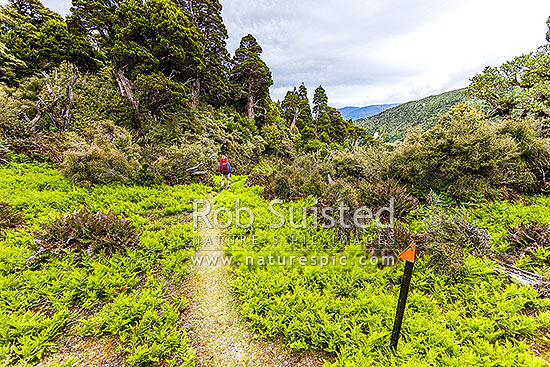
[(371, 51)]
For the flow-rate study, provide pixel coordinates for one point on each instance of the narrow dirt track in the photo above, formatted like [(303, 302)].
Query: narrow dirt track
[(217, 331)]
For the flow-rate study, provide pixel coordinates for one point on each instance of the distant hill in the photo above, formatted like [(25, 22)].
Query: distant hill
[(394, 123), (356, 113)]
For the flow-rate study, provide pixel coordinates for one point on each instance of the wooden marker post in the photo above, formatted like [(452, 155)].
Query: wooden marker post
[(409, 255)]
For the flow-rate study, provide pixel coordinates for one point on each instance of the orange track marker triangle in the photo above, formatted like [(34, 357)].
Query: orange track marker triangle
[(409, 254)]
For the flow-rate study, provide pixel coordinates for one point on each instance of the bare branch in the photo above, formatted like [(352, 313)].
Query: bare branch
[(196, 167)]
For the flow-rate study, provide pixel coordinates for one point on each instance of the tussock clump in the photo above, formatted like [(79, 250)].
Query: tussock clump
[(38, 147), (341, 191), (395, 239), (82, 231), (9, 218), (528, 234)]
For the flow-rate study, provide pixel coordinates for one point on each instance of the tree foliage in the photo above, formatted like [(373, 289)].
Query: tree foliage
[(154, 48), (517, 88), (328, 126), (290, 107), (251, 77), (10, 65), (41, 39), (320, 101), (212, 82), (333, 125), (305, 121)]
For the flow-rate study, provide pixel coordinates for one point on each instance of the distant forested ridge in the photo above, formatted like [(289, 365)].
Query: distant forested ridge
[(356, 113), (394, 123)]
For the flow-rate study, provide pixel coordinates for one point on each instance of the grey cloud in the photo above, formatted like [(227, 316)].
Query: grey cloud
[(326, 42), (59, 6)]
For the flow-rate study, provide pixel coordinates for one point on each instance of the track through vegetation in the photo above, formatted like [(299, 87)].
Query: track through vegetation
[(218, 333)]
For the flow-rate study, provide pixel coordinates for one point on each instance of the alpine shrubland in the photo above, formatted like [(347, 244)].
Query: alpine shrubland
[(113, 120)]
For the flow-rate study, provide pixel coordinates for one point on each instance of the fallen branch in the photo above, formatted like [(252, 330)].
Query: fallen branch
[(524, 277), (195, 168)]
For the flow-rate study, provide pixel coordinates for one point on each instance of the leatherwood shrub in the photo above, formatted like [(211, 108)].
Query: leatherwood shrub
[(83, 231), (105, 154), (463, 155), (443, 245)]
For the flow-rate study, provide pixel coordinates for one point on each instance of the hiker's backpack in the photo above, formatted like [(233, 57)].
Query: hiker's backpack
[(224, 165)]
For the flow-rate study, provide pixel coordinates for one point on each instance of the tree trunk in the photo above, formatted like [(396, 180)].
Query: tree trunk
[(67, 103), (250, 108), (295, 118), (35, 118), (126, 88), (250, 104), (192, 12), (195, 93), (57, 105)]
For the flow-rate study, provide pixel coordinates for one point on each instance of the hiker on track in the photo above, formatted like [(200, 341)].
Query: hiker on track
[(225, 170)]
